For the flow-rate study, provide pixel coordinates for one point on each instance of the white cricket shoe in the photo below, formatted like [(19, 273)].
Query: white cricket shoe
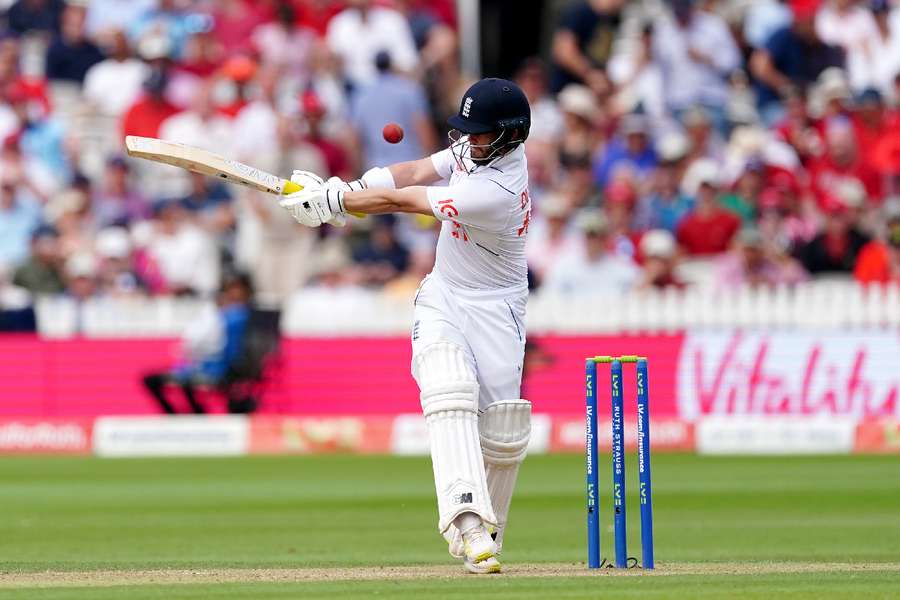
[(483, 567), (455, 545), (478, 544)]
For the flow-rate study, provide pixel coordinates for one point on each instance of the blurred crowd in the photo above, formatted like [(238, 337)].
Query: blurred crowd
[(673, 143)]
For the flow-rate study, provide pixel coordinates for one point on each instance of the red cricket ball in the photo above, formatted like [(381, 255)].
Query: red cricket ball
[(392, 133)]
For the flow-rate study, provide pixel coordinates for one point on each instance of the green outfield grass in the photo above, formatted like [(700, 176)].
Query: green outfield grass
[(750, 514)]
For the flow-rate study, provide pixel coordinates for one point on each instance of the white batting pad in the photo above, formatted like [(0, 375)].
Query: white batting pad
[(505, 427), (449, 396)]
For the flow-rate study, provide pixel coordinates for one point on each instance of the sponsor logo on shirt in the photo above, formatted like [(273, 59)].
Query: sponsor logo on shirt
[(448, 209)]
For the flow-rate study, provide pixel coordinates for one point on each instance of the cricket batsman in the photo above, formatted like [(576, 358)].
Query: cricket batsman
[(468, 339)]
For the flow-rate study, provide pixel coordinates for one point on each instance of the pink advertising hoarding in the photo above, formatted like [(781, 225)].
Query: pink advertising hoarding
[(692, 375)]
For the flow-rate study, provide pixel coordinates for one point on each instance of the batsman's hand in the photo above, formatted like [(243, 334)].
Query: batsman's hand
[(314, 204), (346, 186)]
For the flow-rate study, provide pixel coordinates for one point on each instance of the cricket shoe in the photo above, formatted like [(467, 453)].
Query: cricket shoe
[(478, 544), (482, 567)]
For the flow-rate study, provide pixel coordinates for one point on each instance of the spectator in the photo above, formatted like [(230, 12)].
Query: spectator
[(69, 212), (317, 15), (708, 229), (269, 243), (16, 311), (81, 276), (115, 273), (786, 215), (326, 79), (848, 25), (546, 118), (793, 56), (871, 121), (335, 155), (593, 268), (619, 201), (240, 72), (879, 260), (201, 125), (185, 255), (705, 141), (752, 263), (577, 180), (233, 22), (283, 44), (842, 163), (763, 18), (580, 113), (209, 201), (114, 84), (202, 55), (583, 43), (659, 254), (630, 152), (695, 53), (404, 287), (391, 98), (638, 79), (256, 124), (71, 54), (798, 128), (39, 16), (40, 140), (116, 201), (830, 97), (20, 215), (381, 257), (744, 198), (210, 345), (41, 274), (108, 17), (168, 20), (877, 67), (550, 236), (836, 247), (666, 205), (332, 277), (12, 76), (145, 116), (361, 31), (432, 29)]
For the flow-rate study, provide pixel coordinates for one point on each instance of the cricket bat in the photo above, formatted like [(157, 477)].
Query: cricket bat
[(208, 163)]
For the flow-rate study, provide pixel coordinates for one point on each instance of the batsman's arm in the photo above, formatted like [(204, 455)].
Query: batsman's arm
[(414, 172), (413, 199)]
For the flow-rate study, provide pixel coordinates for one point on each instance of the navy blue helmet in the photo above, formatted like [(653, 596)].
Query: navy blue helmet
[(493, 105)]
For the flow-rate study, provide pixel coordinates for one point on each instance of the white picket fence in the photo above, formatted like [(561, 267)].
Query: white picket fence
[(816, 305)]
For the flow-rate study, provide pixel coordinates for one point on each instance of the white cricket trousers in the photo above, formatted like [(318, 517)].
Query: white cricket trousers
[(489, 326)]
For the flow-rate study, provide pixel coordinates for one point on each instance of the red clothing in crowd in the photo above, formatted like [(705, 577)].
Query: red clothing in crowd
[(827, 177), (873, 265), (869, 135), (31, 89), (146, 115), (335, 156), (235, 22), (704, 235), (315, 16)]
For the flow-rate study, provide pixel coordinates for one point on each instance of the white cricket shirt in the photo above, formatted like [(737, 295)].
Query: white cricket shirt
[(485, 217)]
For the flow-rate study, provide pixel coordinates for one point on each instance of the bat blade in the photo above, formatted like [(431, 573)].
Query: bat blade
[(207, 163)]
